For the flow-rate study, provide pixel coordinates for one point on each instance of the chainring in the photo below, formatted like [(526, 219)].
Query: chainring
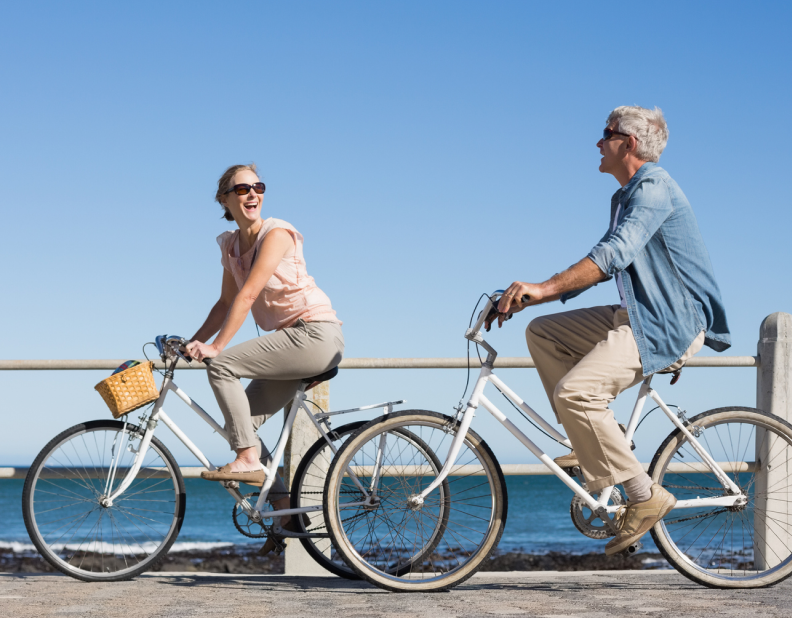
[(245, 525), (587, 522)]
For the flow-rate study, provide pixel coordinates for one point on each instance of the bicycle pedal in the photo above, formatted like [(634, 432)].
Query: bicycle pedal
[(230, 484), (280, 545), (570, 471), (632, 549)]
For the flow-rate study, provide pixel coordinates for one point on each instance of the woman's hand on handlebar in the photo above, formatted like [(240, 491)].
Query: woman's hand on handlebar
[(201, 351)]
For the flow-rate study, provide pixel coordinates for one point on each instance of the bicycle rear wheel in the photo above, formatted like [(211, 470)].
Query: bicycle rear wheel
[(395, 543), (308, 490), (62, 502), (748, 545)]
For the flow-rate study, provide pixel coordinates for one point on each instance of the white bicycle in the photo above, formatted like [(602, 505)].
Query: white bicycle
[(105, 499), (728, 468)]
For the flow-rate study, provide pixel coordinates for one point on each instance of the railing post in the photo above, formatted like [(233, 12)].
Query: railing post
[(303, 435), (774, 395)]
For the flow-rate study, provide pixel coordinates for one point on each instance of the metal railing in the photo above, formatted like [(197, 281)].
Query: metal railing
[(507, 362), (194, 472), (513, 362)]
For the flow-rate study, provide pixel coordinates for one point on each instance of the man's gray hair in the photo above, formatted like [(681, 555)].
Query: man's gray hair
[(647, 126)]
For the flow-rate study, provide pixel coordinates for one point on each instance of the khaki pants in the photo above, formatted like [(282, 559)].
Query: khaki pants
[(585, 358), (276, 363)]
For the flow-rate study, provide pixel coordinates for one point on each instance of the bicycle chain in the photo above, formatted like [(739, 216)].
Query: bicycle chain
[(701, 516), (314, 493), (696, 488), (322, 526)]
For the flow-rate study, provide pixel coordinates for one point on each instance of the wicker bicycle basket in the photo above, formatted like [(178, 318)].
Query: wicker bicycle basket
[(129, 389)]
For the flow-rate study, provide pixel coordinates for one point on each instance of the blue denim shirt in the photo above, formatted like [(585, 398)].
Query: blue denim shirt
[(668, 281)]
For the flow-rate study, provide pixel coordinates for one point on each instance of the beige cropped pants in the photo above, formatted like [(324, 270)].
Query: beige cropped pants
[(276, 363), (585, 358)]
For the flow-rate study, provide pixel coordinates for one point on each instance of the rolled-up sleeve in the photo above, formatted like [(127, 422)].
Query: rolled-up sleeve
[(567, 295), (646, 210)]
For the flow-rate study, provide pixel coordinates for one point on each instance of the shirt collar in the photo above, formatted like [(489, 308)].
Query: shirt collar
[(642, 171)]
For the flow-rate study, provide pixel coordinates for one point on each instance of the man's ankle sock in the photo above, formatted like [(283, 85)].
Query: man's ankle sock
[(638, 488)]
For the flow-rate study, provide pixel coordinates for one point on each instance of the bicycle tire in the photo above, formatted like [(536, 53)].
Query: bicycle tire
[(90, 541), (462, 550), (742, 546)]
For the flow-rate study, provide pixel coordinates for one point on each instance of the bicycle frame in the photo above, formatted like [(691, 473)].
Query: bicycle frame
[(256, 512), (597, 505)]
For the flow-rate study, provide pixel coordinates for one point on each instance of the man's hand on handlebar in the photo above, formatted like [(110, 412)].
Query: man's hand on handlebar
[(201, 351), (517, 297)]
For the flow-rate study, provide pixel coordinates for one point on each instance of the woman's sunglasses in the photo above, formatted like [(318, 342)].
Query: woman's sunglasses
[(244, 189), (609, 133)]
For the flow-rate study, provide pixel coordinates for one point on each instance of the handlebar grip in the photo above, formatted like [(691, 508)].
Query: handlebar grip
[(493, 312), (207, 361)]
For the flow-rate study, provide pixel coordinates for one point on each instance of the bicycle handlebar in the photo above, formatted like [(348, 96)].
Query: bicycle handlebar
[(176, 345), (491, 309)]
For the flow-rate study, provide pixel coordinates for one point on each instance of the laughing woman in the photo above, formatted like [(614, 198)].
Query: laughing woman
[(263, 273)]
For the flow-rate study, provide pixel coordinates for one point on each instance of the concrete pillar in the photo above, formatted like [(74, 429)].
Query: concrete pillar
[(773, 534), (303, 435)]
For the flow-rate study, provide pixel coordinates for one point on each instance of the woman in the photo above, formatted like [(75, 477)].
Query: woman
[(263, 272)]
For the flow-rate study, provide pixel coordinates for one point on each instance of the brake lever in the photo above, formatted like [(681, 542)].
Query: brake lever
[(494, 313), (177, 350), (182, 343)]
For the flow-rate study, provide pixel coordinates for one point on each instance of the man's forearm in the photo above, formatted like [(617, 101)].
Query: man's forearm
[(581, 275)]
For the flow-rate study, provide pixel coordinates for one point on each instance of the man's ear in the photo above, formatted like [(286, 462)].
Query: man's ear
[(632, 144)]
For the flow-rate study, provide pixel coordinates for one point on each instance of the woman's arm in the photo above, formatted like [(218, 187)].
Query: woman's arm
[(219, 312), (273, 248)]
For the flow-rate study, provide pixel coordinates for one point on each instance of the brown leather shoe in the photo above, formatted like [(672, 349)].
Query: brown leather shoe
[(567, 461), (224, 473), (269, 544), (635, 520)]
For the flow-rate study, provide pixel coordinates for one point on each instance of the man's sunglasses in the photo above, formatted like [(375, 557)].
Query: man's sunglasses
[(244, 189), (609, 133)]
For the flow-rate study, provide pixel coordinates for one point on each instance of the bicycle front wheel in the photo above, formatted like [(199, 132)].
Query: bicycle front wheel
[(65, 510), (749, 544), (395, 541)]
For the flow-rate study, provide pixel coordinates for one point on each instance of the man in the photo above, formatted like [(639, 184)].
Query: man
[(670, 306)]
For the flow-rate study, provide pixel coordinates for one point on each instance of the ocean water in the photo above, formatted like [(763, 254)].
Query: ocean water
[(538, 519)]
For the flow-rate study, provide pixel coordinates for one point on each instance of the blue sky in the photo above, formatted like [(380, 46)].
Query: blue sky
[(428, 152)]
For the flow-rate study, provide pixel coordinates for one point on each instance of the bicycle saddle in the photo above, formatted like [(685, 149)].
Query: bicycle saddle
[(677, 373), (322, 377)]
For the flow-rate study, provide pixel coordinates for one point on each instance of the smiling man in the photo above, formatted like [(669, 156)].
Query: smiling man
[(670, 306)]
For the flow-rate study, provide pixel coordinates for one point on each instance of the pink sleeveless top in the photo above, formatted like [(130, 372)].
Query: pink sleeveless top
[(290, 294)]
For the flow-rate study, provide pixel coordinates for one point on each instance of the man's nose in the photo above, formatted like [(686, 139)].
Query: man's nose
[(600, 142)]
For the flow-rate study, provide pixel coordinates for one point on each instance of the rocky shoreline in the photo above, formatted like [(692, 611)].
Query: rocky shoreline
[(245, 559)]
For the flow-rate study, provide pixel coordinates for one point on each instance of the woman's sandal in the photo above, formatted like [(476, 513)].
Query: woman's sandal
[(224, 473), (270, 543)]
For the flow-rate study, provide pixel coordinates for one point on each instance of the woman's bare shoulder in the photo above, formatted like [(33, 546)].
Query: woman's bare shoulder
[(224, 239)]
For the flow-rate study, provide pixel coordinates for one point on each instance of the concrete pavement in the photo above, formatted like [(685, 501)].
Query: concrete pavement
[(605, 594)]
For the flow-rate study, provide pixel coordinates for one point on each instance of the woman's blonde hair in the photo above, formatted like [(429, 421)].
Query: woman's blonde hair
[(224, 185)]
